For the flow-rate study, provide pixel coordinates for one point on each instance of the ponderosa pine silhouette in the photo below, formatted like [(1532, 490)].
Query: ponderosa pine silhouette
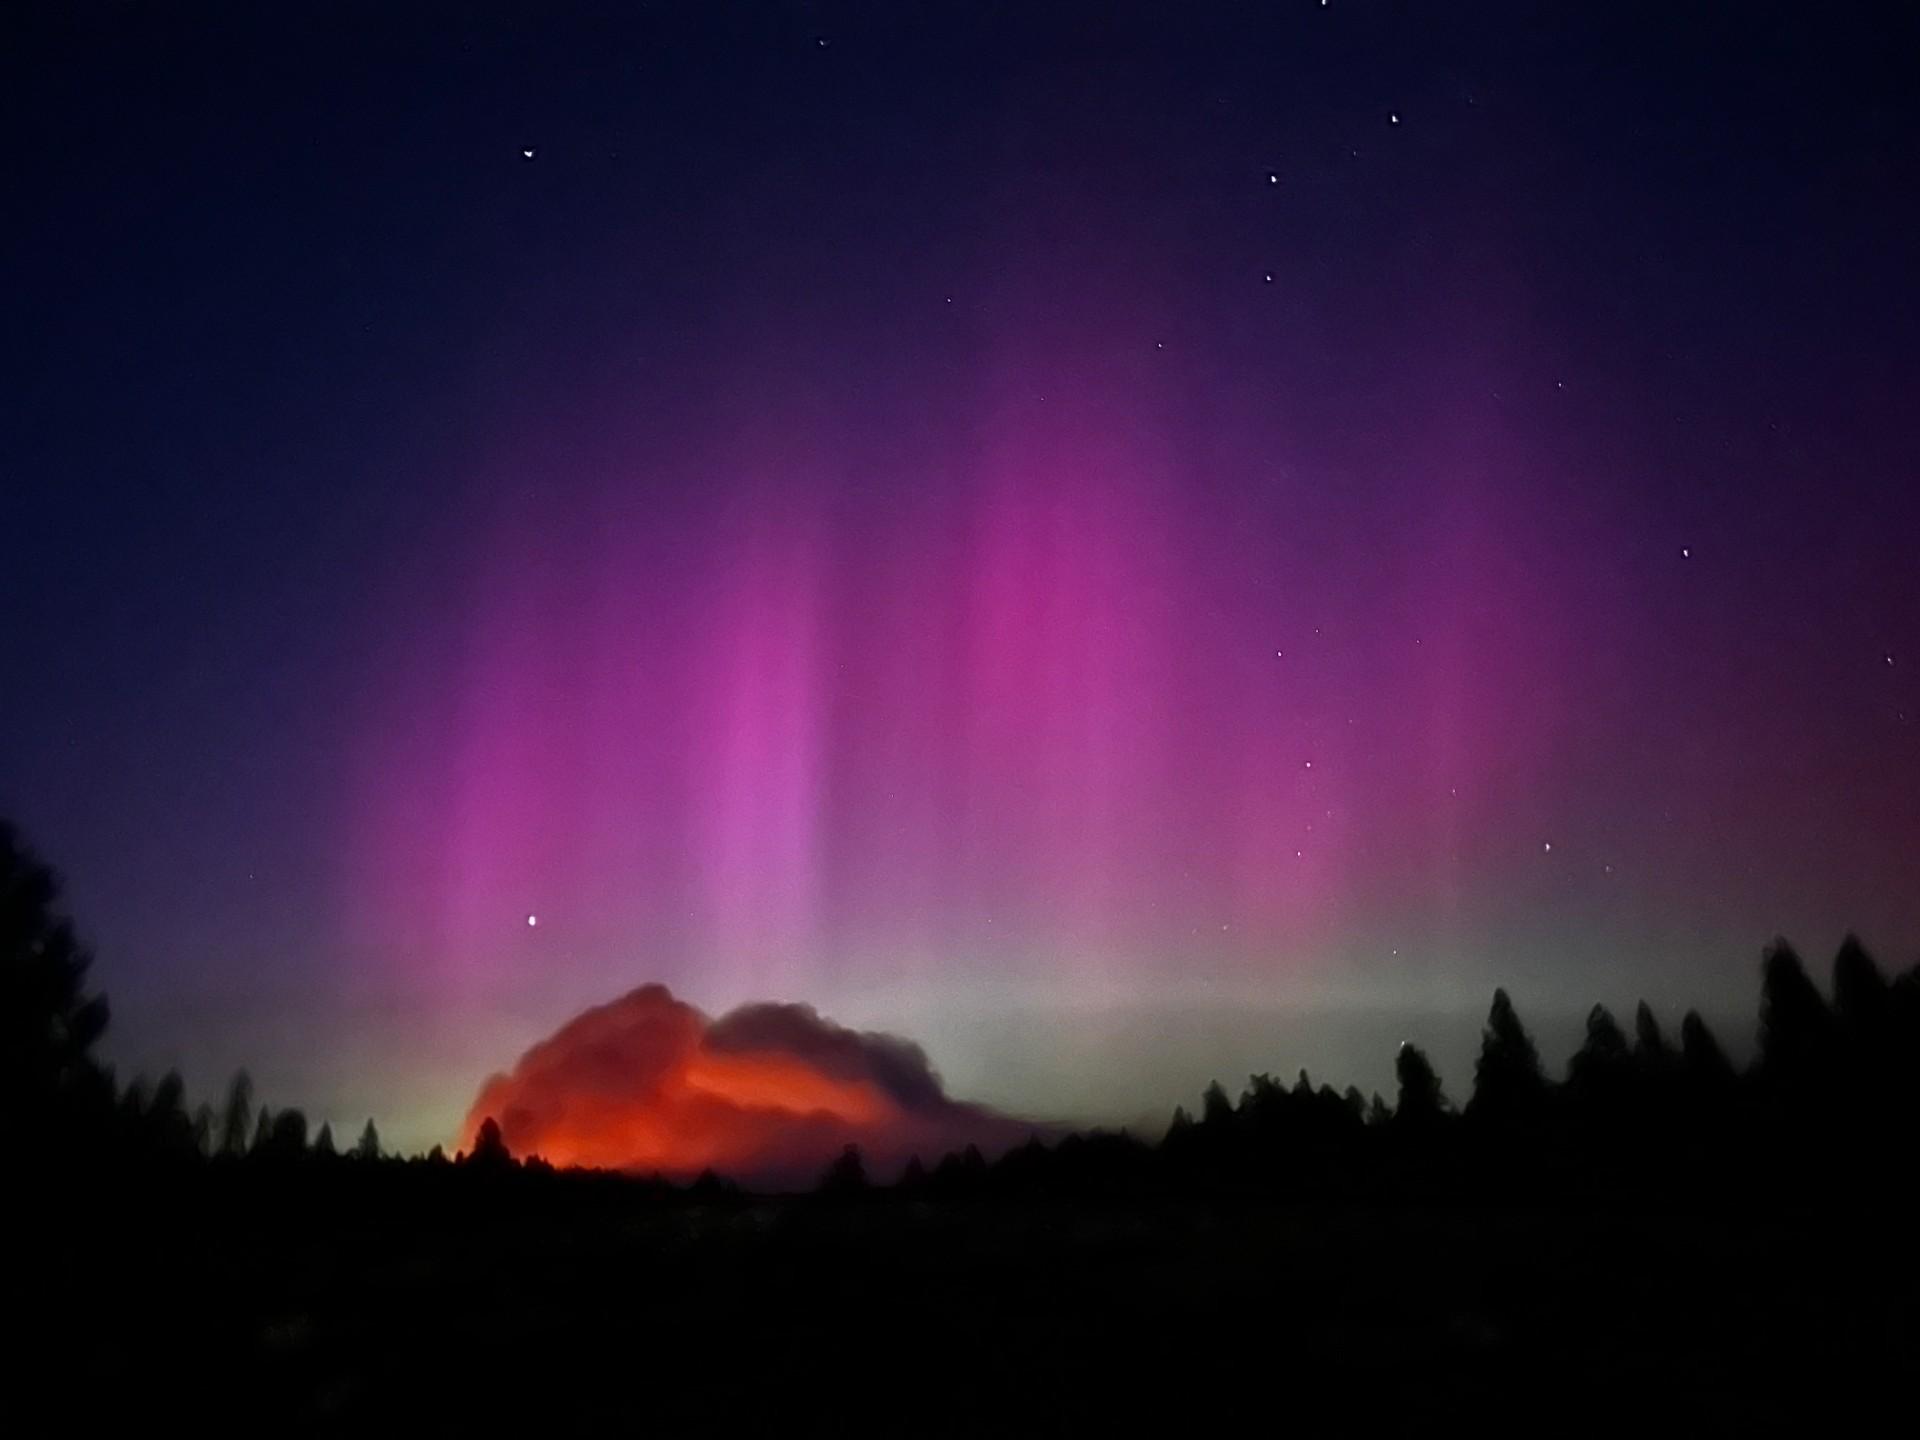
[(1706, 1064), (1796, 1028), (845, 1176), (237, 1115), (1509, 1085), (1865, 1019), (490, 1148), (1216, 1109), (203, 1128), (53, 1093), (1423, 1104), (1860, 991), (1602, 1067), (1651, 1051), (287, 1139)]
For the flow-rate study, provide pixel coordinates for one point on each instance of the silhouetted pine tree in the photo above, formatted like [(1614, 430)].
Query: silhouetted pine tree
[(1422, 1103), (1796, 1028), (288, 1138), (490, 1148), (1600, 1069), (53, 1094), (846, 1176), (1861, 996), (959, 1175), (1216, 1110), (1903, 1023), (1705, 1064), (237, 1114), (168, 1129), (368, 1146), (1651, 1051), (1508, 1083)]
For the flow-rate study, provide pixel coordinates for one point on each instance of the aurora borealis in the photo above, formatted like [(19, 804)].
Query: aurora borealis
[(1121, 550)]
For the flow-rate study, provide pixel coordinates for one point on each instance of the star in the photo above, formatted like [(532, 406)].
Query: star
[(1686, 553), (1268, 277), (1273, 179), (1393, 119), (532, 920), (527, 153), (1546, 847)]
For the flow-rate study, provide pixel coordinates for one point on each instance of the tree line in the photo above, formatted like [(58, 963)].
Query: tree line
[(1825, 1110), (1826, 1106)]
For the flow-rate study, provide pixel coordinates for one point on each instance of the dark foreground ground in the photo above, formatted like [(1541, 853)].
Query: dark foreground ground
[(238, 1309)]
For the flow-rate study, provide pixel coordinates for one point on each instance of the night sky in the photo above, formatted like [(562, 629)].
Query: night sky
[(1132, 545)]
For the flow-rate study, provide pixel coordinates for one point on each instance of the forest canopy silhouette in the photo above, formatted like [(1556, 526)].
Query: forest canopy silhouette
[(334, 1273), (771, 1093)]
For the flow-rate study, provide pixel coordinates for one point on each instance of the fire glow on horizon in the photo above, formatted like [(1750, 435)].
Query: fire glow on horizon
[(768, 1093)]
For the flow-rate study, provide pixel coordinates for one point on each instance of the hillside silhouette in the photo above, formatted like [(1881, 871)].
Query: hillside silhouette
[(1719, 1245)]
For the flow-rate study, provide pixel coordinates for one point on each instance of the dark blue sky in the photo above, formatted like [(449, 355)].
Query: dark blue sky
[(951, 390)]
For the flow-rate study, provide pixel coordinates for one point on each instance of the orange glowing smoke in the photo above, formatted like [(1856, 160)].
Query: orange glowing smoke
[(766, 1094)]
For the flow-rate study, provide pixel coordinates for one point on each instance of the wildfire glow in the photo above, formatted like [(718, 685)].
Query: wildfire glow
[(767, 1093)]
